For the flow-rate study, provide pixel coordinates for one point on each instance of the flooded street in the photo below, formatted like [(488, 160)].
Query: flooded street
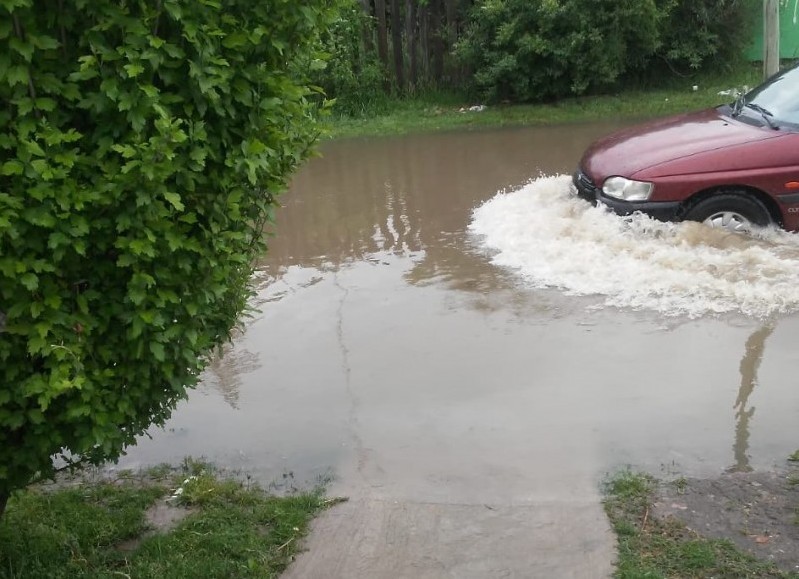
[(414, 349)]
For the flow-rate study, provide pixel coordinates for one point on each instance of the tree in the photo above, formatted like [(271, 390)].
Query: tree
[(142, 147)]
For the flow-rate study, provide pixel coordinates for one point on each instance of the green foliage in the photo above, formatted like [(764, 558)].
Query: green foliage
[(529, 51), (522, 50), (698, 33), (353, 75), (141, 148)]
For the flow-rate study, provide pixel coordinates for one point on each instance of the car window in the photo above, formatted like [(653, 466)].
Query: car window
[(780, 96)]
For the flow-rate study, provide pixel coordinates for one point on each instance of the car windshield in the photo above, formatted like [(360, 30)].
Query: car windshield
[(778, 97)]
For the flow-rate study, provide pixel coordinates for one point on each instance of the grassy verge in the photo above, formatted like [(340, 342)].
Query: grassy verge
[(436, 112), (652, 548), (100, 530)]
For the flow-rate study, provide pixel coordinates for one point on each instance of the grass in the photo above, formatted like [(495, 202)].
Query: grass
[(651, 548), (437, 111), (99, 530)]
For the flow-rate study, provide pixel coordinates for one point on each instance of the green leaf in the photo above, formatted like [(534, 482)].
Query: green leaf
[(44, 104), (174, 200), (17, 75), (157, 350), (34, 148), (24, 49), (149, 90), (44, 42), (36, 309), (12, 167), (236, 39), (133, 70), (30, 281)]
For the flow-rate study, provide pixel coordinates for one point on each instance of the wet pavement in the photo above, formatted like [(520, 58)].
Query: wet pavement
[(469, 405)]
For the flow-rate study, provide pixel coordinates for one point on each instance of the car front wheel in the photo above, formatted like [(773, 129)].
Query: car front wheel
[(737, 212)]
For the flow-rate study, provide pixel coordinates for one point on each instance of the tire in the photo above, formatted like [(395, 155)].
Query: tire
[(738, 212)]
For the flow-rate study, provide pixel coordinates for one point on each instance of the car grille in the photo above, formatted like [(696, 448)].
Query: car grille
[(586, 189)]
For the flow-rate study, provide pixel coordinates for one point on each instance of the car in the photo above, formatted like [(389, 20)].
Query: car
[(735, 166)]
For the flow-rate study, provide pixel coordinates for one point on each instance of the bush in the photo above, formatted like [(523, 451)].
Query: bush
[(533, 50), (141, 148), (699, 33), (353, 76)]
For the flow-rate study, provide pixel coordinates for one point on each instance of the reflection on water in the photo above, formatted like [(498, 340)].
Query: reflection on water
[(750, 364), (366, 196), (368, 199), (224, 372)]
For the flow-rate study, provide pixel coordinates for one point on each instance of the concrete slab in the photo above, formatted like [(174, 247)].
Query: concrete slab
[(378, 539)]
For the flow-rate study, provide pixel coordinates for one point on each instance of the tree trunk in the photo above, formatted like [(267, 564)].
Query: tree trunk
[(411, 38), (366, 31), (451, 10), (382, 32), (396, 43), (424, 37), (438, 32), (3, 503)]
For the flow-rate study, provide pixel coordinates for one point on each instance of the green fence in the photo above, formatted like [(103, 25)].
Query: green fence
[(789, 32)]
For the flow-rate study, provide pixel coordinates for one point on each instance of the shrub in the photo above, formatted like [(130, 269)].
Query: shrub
[(536, 50), (142, 145), (533, 50), (353, 76), (698, 33)]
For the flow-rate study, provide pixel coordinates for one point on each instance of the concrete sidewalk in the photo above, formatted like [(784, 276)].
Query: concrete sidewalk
[(380, 539)]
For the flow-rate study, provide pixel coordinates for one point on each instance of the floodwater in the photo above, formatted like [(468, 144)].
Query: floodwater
[(437, 321)]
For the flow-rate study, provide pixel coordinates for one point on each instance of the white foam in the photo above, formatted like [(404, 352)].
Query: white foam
[(553, 239)]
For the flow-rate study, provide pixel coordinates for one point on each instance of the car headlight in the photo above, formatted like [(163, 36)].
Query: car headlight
[(627, 189)]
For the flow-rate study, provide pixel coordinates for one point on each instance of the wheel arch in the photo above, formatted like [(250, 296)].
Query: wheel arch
[(768, 202)]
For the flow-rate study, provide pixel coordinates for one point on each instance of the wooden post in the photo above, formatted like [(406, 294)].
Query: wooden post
[(382, 33), (771, 37), (411, 39), (396, 44)]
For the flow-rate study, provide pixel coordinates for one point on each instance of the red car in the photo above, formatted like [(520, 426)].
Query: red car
[(734, 166)]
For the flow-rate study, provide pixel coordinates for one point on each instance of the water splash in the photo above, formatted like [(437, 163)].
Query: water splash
[(555, 240)]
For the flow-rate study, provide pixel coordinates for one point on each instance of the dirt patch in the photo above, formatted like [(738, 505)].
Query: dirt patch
[(756, 511), (163, 516)]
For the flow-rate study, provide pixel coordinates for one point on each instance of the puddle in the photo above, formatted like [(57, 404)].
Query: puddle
[(389, 351), (552, 239)]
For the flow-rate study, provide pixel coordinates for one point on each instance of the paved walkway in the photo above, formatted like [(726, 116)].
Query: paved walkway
[(410, 516), (381, 539)]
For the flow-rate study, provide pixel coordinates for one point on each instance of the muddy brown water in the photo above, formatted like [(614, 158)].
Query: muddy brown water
[(389, 352)]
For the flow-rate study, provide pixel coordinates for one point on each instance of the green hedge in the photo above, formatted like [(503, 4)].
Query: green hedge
[(535, 50), (141, 148)]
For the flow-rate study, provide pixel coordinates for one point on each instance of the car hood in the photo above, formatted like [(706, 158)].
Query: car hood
[(632, 150)]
